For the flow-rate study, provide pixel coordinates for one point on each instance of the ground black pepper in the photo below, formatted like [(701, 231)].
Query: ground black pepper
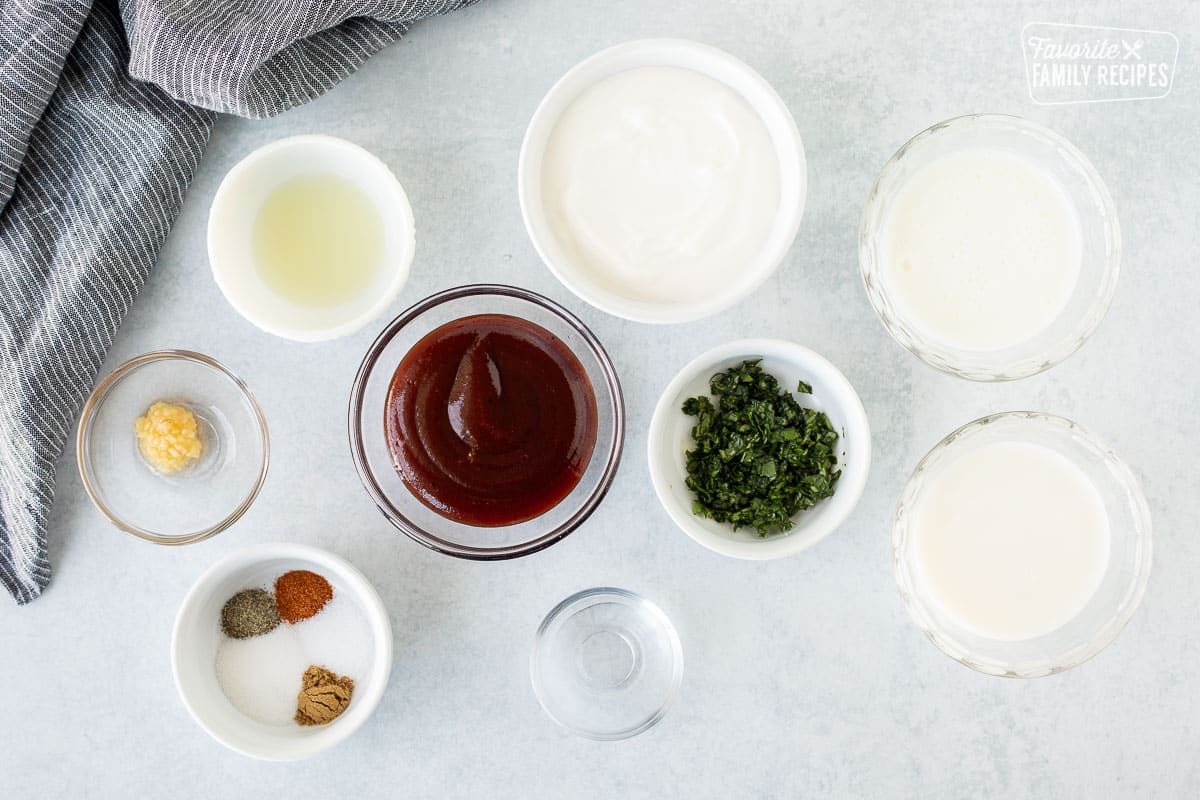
[(250, 612)]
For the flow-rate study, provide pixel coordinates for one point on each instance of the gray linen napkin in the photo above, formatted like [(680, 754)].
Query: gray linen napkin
[(105, 110)]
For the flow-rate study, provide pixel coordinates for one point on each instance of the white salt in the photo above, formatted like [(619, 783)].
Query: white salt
[(262, 675), (337, 638)]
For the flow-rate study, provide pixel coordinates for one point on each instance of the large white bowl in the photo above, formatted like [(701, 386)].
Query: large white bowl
[(197, 635), (670, 437), (709, 61), (230, 235)]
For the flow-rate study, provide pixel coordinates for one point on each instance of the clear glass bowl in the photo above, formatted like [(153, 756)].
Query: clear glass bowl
[(208, 496), (1120, 590), (1101, 240), (606, 664), (373, 459)]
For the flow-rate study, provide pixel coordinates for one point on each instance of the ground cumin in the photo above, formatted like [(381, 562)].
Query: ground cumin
[(300, 594), (324, 697)]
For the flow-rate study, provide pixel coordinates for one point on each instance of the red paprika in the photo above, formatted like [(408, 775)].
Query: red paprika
[(300, 594)]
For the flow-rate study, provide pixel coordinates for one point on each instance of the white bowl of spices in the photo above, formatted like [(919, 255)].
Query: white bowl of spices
[(281, 651), (662, 180), (310, 237)]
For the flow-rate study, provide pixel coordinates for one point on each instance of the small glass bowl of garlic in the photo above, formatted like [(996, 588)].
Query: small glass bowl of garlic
[(172, 447)]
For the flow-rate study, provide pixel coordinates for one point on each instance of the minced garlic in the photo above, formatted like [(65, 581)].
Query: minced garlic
[(168, 437)]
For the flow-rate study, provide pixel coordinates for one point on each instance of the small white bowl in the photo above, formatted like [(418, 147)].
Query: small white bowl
[(197, 635), (230, 236), (670, 436), (708, 61)]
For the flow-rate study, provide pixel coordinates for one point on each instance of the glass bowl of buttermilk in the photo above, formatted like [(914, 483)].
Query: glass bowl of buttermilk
[(172, 447), (486, 422), (1022, 545), (990, 247)]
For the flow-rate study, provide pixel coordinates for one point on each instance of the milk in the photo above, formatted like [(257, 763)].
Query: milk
[(1011, 540), (981, 250)]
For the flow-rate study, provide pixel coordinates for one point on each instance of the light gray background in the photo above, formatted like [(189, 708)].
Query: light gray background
[(803, 676)]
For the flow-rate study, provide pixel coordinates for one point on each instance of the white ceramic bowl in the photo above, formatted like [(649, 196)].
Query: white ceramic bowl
[(670, 437), (198, 633), (235, 208), (708, 61)]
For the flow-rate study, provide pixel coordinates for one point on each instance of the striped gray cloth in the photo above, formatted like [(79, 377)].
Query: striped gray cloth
[(105, 110)]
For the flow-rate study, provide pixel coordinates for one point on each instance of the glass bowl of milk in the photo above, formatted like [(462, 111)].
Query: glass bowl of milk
[(1022, 545), (990, 247)]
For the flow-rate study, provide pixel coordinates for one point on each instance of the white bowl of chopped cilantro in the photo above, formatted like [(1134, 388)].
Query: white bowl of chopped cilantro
[(759, 448)]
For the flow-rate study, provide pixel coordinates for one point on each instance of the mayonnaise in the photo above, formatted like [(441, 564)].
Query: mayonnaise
[(662, 183)]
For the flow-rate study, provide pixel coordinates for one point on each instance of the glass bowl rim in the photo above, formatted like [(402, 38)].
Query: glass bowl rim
[(379, 496), (916, 343), (96, 400), (1104, 636), (630, 599)]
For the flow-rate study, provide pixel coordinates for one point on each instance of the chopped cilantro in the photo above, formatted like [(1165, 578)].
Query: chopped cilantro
[(760, 456)]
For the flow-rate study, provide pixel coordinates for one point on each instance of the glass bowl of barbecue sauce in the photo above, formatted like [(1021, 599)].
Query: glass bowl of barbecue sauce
[(486, 422)]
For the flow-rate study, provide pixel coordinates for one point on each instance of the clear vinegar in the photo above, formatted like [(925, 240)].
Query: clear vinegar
[(318, 240)]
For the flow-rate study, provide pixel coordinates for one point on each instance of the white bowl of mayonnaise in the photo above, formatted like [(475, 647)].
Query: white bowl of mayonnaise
[(662, 180)]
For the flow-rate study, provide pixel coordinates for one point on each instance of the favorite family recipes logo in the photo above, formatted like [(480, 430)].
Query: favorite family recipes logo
[(1087, 64)]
